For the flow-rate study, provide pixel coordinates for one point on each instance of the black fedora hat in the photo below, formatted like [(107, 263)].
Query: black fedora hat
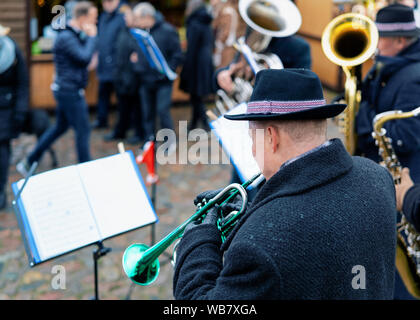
[(396, 20), (287, 94)]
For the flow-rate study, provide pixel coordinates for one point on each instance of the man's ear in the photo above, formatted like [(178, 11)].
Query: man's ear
[(402, 42), (273, 137)]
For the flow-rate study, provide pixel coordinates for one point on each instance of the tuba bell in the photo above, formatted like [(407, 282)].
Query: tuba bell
[(348, 41), (265, 20)]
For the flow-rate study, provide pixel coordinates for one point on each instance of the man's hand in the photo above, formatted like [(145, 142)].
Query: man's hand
[(402, 188), (134, 58), (234, 203), (209, 219), (224, 78), (90, 29)]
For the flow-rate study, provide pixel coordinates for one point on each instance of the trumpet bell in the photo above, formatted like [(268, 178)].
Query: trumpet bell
[(131, 264), (350, 39)]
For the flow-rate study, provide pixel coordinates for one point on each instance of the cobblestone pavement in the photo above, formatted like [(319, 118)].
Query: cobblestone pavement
[(179, 184)]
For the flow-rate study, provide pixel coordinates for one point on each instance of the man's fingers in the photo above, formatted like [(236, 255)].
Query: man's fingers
[(405, 172)]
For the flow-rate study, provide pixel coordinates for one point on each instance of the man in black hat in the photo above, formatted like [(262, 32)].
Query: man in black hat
[(393, 83), (321, 227)]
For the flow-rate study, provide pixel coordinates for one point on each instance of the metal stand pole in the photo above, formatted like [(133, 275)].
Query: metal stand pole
[(99, 252)]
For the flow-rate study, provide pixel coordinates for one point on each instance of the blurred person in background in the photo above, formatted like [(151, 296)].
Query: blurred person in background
[(73, 51), (228, 26), (111, 22), (393, 83), (126, 83), (14, 102), (412, 4), (292, 50), (155, 87), (197, 71), (408, 198)]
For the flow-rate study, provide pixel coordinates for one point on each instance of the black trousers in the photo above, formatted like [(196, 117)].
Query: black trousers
[(4, 164), (104, 101), (129, 113), (198, 111)]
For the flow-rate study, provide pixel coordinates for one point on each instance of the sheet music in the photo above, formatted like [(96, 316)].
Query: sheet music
[(70, 208), (237, 143), (152, 52), (116, 195), (58, 212)]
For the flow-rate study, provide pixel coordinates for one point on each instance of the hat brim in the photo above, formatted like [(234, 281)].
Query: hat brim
[(402, 33), (322, 112)]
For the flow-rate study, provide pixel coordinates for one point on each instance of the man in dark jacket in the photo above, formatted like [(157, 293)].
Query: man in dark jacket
[(155, 87), (111, 22), (321, 227), (393, 84), (408, 198), (126, 83), (14, 102), (73, 51)]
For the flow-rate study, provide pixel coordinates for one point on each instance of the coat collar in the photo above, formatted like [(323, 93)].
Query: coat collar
[(300, 175)]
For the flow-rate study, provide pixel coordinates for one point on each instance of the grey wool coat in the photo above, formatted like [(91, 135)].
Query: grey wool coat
[(323, 227)]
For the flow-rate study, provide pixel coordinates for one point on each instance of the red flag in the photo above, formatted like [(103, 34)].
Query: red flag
[(148, 157)]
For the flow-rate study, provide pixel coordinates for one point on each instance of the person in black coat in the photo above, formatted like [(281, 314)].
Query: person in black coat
[(111, 22), (321, 227), (197, 71), (408, 198), (156, 87), (14, 102), (126, 83), (393, 83)]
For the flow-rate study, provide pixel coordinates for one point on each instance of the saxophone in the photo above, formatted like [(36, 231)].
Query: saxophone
[(407, 258)]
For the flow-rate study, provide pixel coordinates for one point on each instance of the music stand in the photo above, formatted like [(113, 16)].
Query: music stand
[(15, 203), (67, 209)]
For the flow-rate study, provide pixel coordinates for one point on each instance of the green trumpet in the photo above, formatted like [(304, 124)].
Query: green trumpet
[(141, 263)]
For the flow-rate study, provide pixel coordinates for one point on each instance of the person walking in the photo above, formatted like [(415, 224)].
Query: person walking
[(73, 51)]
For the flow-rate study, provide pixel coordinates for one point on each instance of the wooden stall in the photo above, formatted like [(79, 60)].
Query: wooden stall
[(14, 14)]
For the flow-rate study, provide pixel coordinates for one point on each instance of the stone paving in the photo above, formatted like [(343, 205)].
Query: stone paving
[(178, 186)]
